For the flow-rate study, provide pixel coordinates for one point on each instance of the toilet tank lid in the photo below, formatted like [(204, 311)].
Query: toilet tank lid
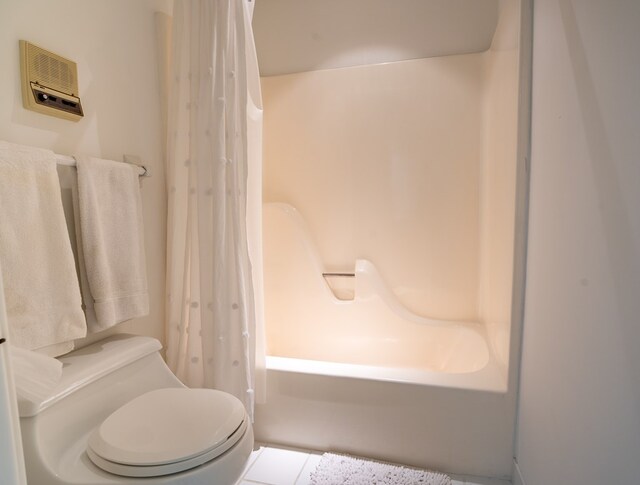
[(88, 364)]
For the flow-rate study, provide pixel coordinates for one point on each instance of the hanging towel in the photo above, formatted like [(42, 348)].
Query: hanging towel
[(38, 270), (112, 242)]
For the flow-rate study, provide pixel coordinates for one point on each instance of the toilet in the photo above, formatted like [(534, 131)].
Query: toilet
[(119, 415)]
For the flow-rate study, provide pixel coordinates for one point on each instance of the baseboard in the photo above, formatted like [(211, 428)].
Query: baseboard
[(517, 475)]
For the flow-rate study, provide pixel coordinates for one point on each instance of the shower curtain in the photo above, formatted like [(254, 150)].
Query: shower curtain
[(214, 330)]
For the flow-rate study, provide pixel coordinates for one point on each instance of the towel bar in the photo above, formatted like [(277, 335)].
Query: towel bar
[(71, 162)]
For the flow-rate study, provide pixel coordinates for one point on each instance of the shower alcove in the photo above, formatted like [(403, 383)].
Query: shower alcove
[(395, 142)]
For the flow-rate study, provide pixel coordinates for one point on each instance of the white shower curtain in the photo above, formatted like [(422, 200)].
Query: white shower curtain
[(214, 273)]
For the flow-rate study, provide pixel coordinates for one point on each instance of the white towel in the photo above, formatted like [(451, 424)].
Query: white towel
[(38, 270), (112, 241)]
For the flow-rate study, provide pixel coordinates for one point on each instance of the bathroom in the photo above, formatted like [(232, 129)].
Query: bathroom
[(569, 409)]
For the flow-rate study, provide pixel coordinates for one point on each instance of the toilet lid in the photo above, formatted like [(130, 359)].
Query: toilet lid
[(164, 427)]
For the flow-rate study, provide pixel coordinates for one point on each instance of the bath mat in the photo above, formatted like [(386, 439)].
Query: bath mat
[(346, 470)]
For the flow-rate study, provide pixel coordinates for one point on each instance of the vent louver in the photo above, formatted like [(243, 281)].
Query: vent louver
[(49, 83)]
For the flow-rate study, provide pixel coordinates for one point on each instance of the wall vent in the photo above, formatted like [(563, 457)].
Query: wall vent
[(49, 83)]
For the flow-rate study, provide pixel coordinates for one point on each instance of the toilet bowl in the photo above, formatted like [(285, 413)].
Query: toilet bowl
[(119, 415)]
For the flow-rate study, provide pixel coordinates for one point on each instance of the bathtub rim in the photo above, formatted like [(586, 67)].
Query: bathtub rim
[(491, 378)]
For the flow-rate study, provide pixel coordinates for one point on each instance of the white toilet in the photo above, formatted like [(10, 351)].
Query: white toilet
[(119, 415)]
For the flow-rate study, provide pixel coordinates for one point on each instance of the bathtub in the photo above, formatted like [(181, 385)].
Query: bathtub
[(361, 374)]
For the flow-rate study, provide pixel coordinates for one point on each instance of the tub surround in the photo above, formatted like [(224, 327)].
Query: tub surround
[(383, 162), (403, 165), (410, 165)]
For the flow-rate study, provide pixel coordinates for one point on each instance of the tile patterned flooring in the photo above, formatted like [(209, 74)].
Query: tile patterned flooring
[(270, 465)]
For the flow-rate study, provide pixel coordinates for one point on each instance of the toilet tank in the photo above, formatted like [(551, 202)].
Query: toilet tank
[(90, 365)]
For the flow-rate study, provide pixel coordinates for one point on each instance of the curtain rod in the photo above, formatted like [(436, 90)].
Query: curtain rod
[(71, 162)]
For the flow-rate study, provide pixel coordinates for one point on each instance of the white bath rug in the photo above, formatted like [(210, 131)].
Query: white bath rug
[(346, 470)]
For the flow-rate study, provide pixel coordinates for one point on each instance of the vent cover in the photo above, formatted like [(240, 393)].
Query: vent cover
[(49, 83)]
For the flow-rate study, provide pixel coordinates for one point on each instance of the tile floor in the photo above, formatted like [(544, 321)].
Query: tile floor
[(270, 465)]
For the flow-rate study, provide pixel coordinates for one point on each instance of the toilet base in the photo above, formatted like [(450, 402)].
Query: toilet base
[(224, 470)]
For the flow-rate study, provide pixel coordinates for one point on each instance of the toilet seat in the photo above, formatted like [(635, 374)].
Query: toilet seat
[(167, 431)]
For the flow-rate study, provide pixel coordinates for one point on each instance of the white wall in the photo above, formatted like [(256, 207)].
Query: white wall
[(579, 412), (114, 44)]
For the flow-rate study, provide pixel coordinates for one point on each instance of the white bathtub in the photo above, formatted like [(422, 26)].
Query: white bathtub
[(366, 376), (487, 378), (371, 335)]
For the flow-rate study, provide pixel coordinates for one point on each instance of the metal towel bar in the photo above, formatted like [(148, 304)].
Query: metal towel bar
[(71, 162)]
